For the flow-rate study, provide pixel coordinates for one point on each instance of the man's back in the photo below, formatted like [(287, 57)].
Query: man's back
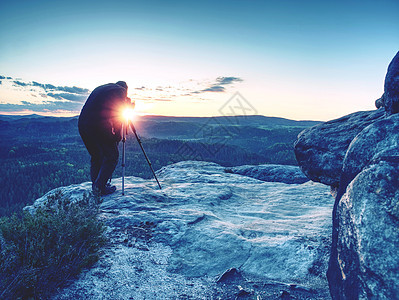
[(103, 105)]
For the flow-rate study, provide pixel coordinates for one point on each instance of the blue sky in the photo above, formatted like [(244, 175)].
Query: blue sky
[(296, 59)]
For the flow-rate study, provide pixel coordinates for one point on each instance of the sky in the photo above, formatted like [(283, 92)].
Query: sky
[(302, 60)]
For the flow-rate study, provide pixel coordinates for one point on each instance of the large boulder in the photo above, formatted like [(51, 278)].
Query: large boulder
[(365, 253), (320, 150), (391, 87), (375, 140), (364, 259), (358, 156)]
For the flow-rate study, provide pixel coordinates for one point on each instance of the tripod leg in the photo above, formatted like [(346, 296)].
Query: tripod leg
[(123, 159), (145, 154)]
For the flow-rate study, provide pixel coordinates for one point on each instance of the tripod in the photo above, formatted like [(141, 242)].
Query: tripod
[(125, 127)]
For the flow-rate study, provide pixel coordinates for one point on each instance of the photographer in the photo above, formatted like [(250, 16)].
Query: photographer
[(100, 126)]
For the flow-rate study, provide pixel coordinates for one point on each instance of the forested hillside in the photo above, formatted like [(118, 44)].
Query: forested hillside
[(38, 154)]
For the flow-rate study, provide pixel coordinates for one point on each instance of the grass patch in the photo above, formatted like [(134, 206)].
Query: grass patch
[(41, 250)]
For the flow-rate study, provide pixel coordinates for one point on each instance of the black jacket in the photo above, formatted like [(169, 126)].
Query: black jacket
[(101, 114)]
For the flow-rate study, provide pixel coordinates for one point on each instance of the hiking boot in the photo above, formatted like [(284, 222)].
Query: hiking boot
[(108, 189)]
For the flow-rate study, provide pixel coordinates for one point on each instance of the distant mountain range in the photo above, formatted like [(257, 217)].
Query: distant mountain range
[(160, 126), (242, 120)]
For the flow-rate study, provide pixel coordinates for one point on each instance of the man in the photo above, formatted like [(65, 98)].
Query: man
[(100, 126)]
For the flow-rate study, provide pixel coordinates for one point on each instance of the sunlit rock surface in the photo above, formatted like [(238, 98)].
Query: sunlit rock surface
[(176, 242)]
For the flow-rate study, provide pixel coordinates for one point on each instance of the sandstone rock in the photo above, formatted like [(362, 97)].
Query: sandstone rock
[(358, 156), (367, 256), (380, 137), (205, 221), (320, 150), (272, 173), (391, 87), (379, 102), (364, 262)]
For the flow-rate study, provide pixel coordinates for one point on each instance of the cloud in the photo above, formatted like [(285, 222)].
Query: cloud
[(68, 89), (162, 99), (69, 93), (185, 89), (219, 86), (68, 96), (73, 89), (228, 80), (47, 98), (44, 86), (51, 98), (215, 88), (20, 83), (49, 106)]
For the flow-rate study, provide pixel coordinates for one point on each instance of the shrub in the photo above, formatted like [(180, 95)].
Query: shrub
[(43, 249)]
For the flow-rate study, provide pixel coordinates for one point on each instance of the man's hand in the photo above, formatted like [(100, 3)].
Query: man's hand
[(117, 132)]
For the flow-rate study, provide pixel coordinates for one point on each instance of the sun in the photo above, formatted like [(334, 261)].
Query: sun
[(128, 114)]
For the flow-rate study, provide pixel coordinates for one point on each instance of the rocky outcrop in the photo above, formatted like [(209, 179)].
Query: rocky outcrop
[(367, 243), (179, 241), (365, 255), (358, 156), (391, 87), (320, 150), (271, 173)]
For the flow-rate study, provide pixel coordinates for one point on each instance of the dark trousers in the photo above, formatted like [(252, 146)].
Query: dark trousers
[(104, 155)]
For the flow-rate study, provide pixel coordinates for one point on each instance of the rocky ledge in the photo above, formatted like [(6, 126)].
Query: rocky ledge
[(358, 156), (209, 234), (271, 173)]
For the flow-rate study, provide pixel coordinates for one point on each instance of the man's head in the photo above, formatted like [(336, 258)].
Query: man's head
[(122, 84)]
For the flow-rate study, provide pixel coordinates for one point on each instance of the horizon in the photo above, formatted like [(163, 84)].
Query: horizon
[(153, 115), (301, 61)]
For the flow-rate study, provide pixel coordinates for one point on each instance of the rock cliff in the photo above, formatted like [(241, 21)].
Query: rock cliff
[(209, 234), (358, 156)]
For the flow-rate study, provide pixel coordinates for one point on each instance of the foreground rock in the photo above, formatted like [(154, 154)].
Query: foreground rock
[(358, 156), (368, 236), (365, 254), (178, 242)]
